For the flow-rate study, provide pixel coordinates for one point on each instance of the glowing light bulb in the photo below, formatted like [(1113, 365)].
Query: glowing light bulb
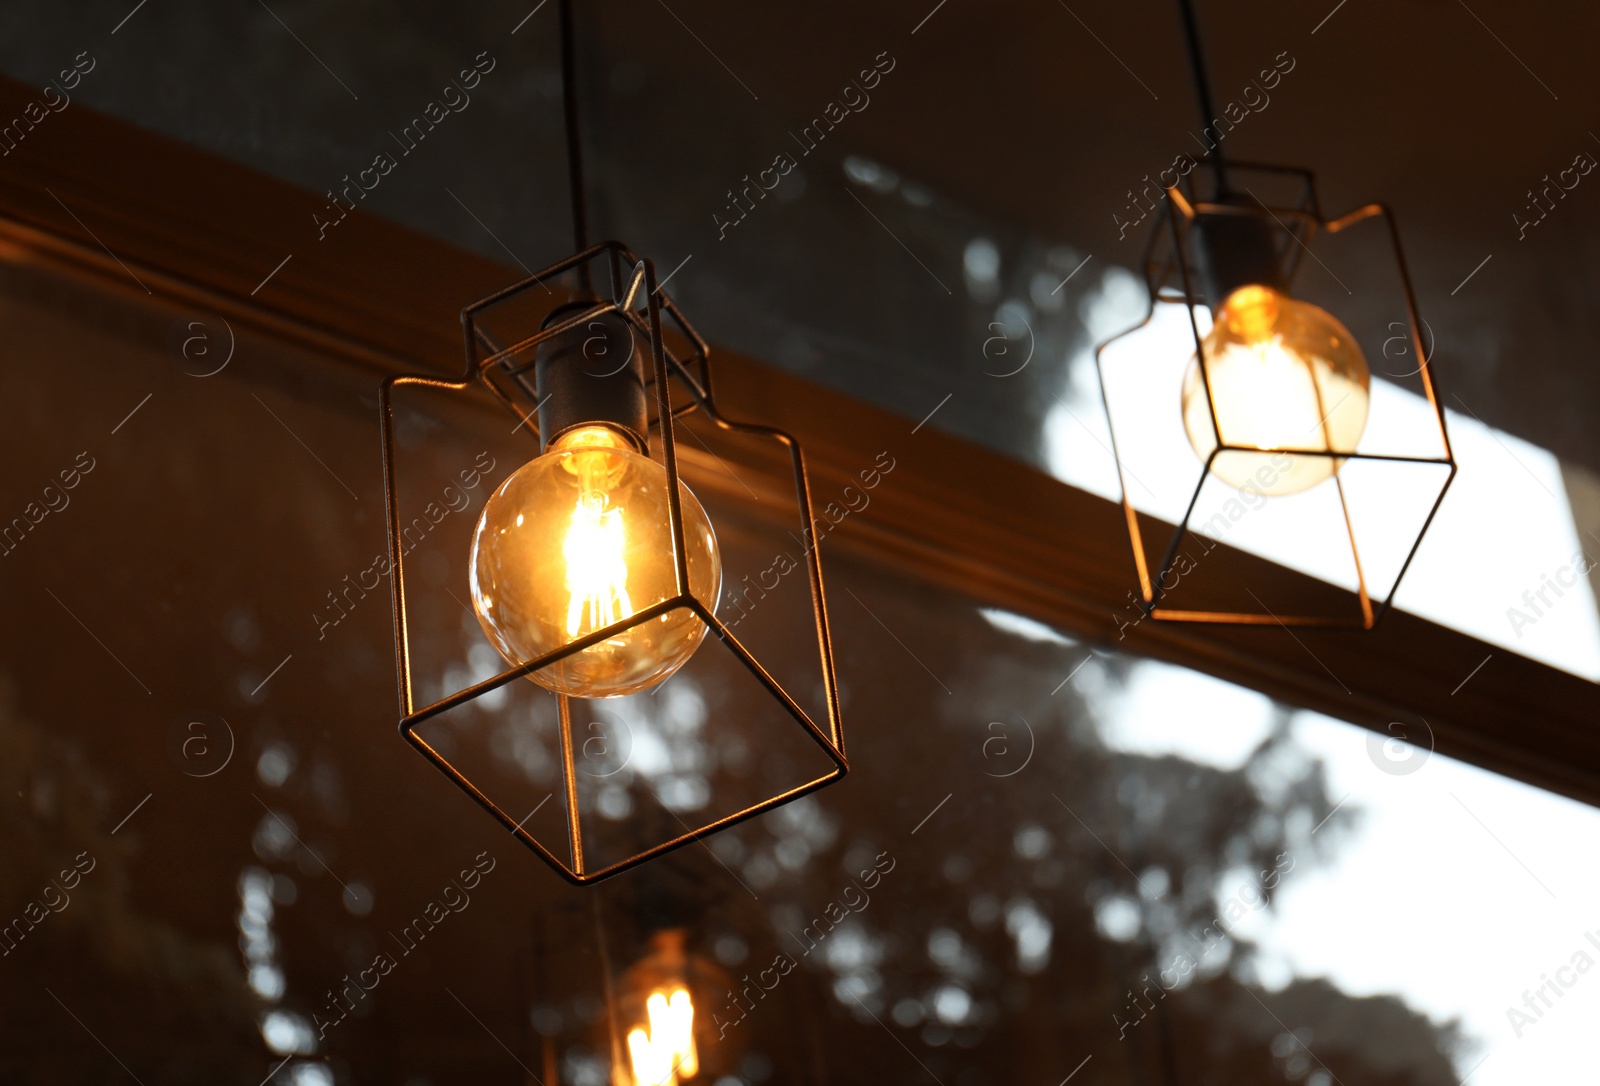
[(576, 540), (665, 1051), (1284, 375)]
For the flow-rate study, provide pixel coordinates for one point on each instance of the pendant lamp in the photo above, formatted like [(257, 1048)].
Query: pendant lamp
[(1277, 405), (594, 571)]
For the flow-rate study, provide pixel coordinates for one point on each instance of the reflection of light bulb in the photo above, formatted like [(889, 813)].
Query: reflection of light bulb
[(579, 539), (1284, 375), (664, 1053)]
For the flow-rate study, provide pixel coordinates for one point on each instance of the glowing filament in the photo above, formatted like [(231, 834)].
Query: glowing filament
[(597, 571), (665, 1052)]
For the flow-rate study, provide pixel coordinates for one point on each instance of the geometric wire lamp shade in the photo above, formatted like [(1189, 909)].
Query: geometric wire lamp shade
[(1244, 415), (678, 380)]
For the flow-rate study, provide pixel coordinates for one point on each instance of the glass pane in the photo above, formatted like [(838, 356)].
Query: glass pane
[(1049, 861)]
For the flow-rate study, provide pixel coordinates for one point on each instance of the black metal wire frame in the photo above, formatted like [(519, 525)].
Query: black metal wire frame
[(1300, 222), (666, 369)]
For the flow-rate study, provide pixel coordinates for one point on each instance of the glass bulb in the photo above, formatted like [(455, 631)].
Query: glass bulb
[(1284, 375), (578, 539)]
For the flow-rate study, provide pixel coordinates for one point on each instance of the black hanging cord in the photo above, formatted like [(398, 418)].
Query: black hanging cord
[(569, 101), (1202, 91)]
